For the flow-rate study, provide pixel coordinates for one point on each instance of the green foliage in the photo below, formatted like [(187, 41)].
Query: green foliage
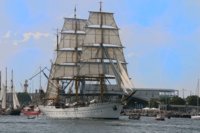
[(192, 100), (154, 103), (24, 98), (164, 100), (177, 101)]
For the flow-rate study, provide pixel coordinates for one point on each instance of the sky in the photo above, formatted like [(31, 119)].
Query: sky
[(161, 38)]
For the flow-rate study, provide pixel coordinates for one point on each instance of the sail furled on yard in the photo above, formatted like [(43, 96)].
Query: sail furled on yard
[(101, 45)]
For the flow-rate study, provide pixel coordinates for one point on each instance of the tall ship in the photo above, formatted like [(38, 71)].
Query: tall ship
[(88, 78)]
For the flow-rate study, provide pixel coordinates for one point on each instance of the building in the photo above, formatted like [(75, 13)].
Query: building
[(143, 96), (148, 93)]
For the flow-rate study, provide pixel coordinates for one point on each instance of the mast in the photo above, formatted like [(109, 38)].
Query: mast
[(6, 81), (102, 81), (12, 80), (76, 48), (5, 93), (76, 51), (12, 98), (57, 37)]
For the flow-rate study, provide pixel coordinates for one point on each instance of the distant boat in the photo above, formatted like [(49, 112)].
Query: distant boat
[(160, 117), (14, 106), (31, 111), (197, 116)]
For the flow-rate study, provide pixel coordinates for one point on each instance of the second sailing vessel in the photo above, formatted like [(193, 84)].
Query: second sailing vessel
[(12, 107), (90, 67)]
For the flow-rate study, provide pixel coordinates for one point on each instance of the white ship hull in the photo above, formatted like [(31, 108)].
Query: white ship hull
[(195, 117), (95, 110)]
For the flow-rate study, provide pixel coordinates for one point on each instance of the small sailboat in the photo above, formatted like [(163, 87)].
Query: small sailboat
[(15, 106), (12, 108), (197, 116), (160, 116)]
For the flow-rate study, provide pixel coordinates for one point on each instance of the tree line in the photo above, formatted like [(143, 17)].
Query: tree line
[(190, 100)]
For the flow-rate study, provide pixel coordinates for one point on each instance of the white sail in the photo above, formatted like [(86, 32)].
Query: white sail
[(69, 48), (16, 104), (101, 45), (3, 98), (126, 83), (104, 18), (72, 24), (51, 87), (68, 54)]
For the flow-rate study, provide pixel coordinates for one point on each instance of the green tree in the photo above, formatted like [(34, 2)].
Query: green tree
[(164, 100), (154, 103), (177, 101), (24, 98), (192, 100)]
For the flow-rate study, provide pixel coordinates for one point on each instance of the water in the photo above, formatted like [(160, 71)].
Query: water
[(20, 124)]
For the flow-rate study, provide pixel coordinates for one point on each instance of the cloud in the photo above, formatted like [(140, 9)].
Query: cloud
[(35, 35), (27, 36), (11, 43), (14, 37), (7, 35)]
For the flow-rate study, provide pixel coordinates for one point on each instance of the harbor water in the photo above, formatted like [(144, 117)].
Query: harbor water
[(21, 124)]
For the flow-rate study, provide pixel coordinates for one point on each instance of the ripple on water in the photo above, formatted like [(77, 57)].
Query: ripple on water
[(21, 124)]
